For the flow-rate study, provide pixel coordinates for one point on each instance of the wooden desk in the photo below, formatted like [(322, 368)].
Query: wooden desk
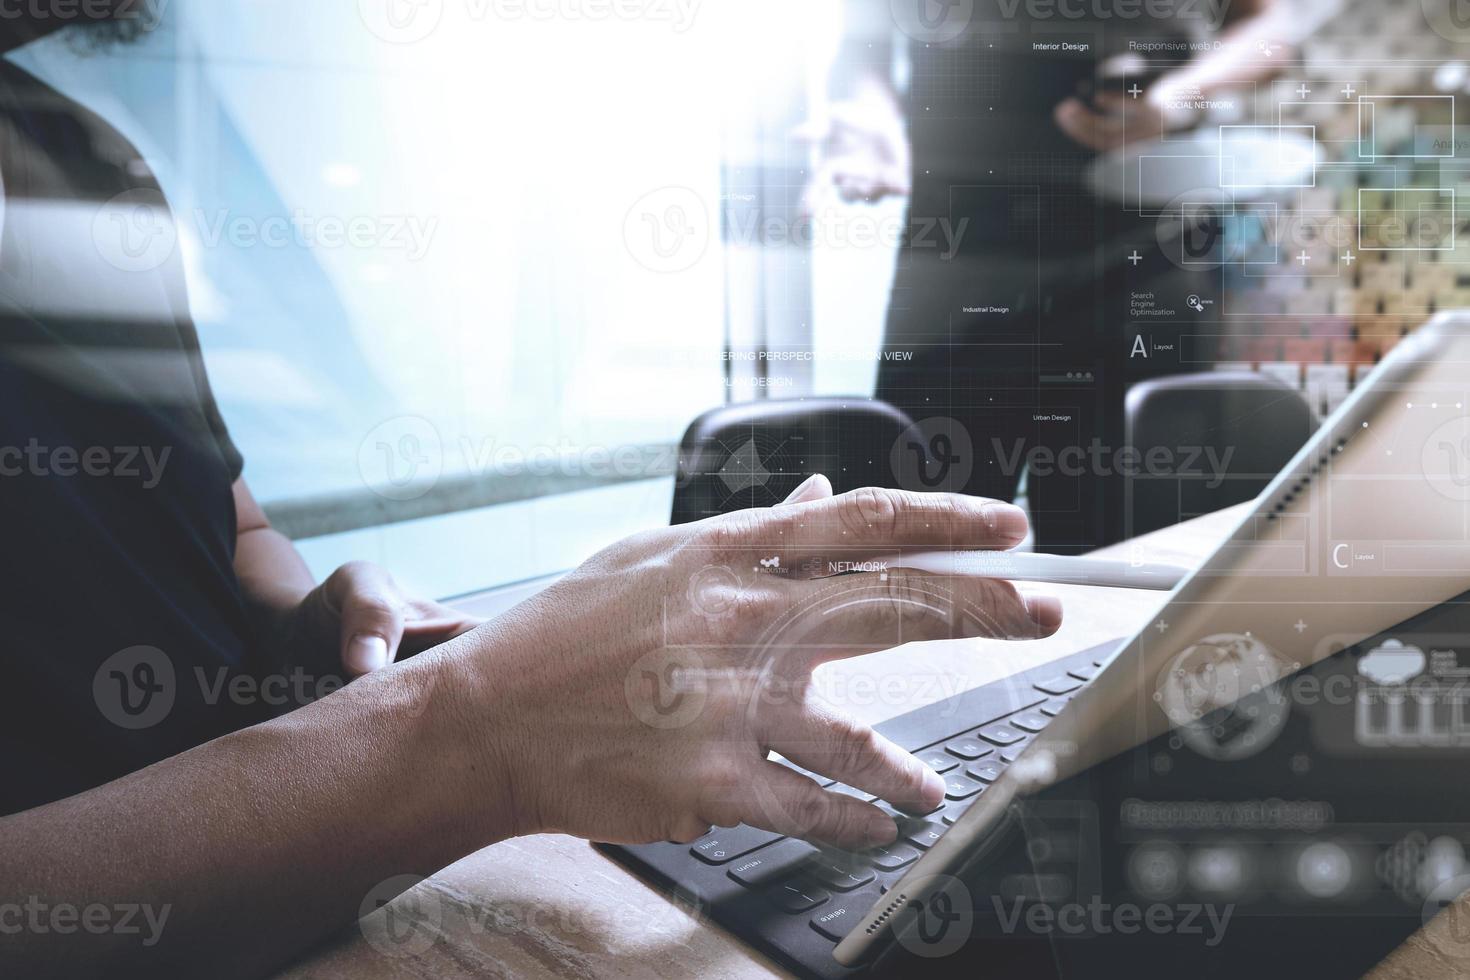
[(552, 906)]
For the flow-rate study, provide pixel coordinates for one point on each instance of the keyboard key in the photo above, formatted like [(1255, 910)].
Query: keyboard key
[(798, 895), (1053, 708), (841, 872), (836, 921), (852, 791), (892, 857), (925, 834), (1001, 734), (968, 748), (900, 816), (1031, 721), (772, 864), (938, 761), (1085, 673), (986, 772), (1059, 685), (961, 787), (954, 811), (1012, 754), (724, 844)]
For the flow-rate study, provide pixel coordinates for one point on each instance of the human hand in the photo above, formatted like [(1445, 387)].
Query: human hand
[(360, 612), (1115, 118), (863, 151), (638, 699)]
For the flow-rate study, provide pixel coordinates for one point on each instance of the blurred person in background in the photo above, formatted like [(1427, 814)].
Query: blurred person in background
[(988, 115)]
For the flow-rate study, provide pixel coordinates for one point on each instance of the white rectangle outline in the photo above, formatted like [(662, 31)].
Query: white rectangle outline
[(1396, 190), (1220, 153), (1372, 157)]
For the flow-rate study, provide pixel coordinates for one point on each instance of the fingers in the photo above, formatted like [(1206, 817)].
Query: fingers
[(815, 487), (371, 613), (786, 802), (870, 521), (429, 624), (822, 740), (1089, 128), (850, 615)]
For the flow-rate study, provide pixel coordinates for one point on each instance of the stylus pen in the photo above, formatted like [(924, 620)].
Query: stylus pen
[(1025, 566)]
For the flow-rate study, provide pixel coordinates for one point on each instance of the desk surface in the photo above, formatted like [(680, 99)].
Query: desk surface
[(552, 906)]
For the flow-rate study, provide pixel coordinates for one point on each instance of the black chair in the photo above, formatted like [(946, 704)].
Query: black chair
[(755, 454), (1225, 435)]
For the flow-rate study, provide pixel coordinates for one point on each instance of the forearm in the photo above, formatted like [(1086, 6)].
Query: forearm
[(273, 578), (260, 843)]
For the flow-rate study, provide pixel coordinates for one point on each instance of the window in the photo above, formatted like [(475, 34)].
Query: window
[(455, 265)]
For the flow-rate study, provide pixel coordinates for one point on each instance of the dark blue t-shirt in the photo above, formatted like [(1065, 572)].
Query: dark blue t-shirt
[(120, 612)]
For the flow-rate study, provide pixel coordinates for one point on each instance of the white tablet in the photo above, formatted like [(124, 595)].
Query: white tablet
[(1366, 527)]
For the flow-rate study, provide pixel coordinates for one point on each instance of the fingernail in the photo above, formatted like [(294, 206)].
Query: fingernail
[(366, 654), (933, 793), (1006, 521), (1045, 610), (810, 487), (882, 829)]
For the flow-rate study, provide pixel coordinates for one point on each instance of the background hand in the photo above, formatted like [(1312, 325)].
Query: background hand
[(862, 151), (360, 611)]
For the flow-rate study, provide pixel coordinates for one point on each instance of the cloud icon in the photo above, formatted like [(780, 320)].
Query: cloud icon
[(1392, 663)]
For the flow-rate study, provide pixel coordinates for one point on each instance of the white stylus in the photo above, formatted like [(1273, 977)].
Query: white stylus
[(1025, 566)]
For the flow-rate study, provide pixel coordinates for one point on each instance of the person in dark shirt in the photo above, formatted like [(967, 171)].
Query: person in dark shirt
[(987, 116), (115, 463), (140, 579)]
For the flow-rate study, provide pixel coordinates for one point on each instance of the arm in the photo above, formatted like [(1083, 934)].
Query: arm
[(272, 575), (245, 850), (554, 717), (860, 142), (357, 618)]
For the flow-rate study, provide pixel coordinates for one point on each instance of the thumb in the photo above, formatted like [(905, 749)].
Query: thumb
[(816, 487), (371, 616)]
